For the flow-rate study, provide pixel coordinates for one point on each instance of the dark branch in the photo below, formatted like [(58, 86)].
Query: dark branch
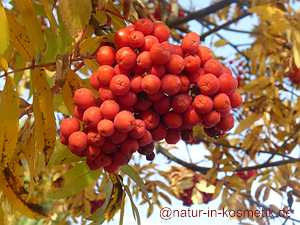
[(202, 12), (220, 27), (204, 170)]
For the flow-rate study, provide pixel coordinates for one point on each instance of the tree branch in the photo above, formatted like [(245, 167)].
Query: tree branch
[(204, 170), (220, 27), (202, 12)]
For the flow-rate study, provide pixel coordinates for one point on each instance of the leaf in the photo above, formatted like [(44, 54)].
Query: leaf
[(247, 122), (203, 186), (135, 210), (3, 64), (44, 123), (48, 10), (220, 43), (19, 39), (296, 48), (74, 181), (62, 155), (4, 37), (16, 202), (31, 23), (75, 14), (9, 116), (132, 173), (72, 83), (90, 45)]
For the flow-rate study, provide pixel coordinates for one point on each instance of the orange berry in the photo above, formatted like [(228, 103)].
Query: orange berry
[(194, 77), (203, 104), (226, 123), (213, 66), (92, 116), (135, 84), (122, 36), (181, 102), (84, 98), (136, 39), (109, 109), (211, 119), (162, 106), (104, 74), (159, 133), (159, 54), (105, 94), (204, 53), (118, 137), (126, 58), (150, 40), (173, 136), (222, 103), (94, 80), (192, 63), (128, 99), (105, 128), (227, 83), (208, 84), (145, 139), (172, 120), (105, 55), (151, 119), (191, 117), (158, 70), (175, 64), (119, 84), (124, 121), (77, 143), (144, 60), (190, 43), (144, 25), (235, 99), (95, 139), (185, 84), (170, 84), (78, 113), (150, 84), (161, 31), (69, 126), (139, 129)]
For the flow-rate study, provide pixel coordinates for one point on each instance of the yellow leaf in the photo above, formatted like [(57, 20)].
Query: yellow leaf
[(203, 186), (4, 37), (15, 201), (220, 43), (296, 48), (247, 122), (75, 14), (31, 23), (19, 38), (44, 124), (48, 10), (72, 83), (3, 64), (9, 116)]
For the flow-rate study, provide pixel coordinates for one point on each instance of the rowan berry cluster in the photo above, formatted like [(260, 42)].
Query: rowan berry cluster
[(148, 90)]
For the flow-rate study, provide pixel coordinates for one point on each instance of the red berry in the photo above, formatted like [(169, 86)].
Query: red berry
[(105, 94), (84, 98), (235, 99), (150, 40), (104, 74), (170, 84), (226, 123), (175, 64), (105, 128), (151, 119), (190, 43), (211, 119), (92, 116), (77, 143), (109, 109), (192, 63), (173, 136), (150, 84), (69, 126), (222, 103), (213, 66), (144, 25), (119, 84), (126, 58), (172, 120), (139, 129), (136, 39), (144, 60), (227, 83), (124, 121), (208, 84), (161, 31), (181, 102), (122, 35), (105, 55), (203, 104), (159, 133), (159, 54)]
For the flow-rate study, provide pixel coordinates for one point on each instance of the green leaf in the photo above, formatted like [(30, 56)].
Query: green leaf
[(135, 210), (62, 155), (220, 43), (132, 173), (4, 37), (247, 122), (75, 14), (74, 181), (99, 215)]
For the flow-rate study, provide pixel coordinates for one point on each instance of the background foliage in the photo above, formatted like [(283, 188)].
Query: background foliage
[(47, 51)]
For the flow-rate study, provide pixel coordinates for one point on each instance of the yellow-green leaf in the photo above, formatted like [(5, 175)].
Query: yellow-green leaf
[(4, 37), (75, 14), (74, 181), (44, 125), (29, 17), (9, 116), (247, 122), (220, 43)]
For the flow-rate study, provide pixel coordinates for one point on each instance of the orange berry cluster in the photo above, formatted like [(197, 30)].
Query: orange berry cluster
[(148, 90)]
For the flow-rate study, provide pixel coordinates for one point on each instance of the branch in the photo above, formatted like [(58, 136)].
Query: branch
[(204, 170), (202, 12), (220, 27)]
